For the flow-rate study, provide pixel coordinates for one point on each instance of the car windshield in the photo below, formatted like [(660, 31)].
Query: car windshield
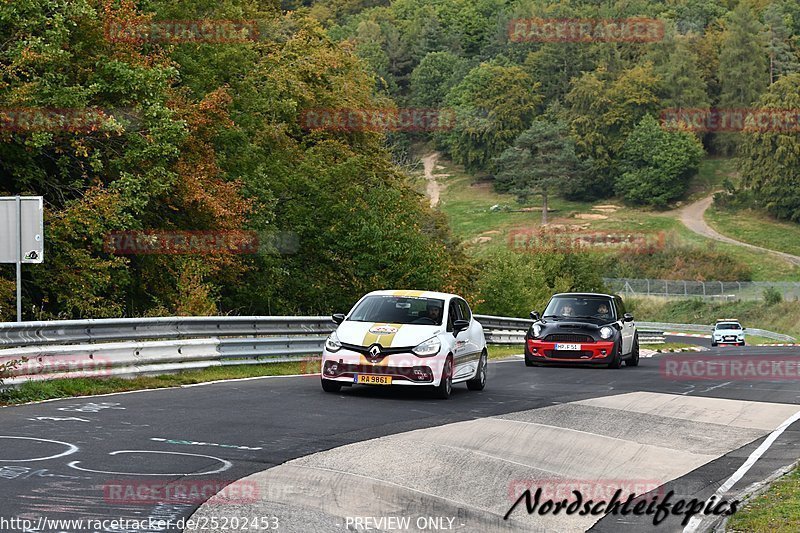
[(399, 310), (580, 307), (728, 325)]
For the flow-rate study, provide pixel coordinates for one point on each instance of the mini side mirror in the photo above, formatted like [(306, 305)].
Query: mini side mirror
[(459, 326), (338, 318), (534, 315), (627, 317)]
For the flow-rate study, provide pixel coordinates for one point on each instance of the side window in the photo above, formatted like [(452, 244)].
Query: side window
[(466, 314), (452, 314)]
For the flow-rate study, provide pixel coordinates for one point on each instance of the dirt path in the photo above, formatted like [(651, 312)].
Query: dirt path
[(692, 217), (433, 188)]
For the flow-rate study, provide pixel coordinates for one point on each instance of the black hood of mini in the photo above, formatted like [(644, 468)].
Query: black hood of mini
[(568, 326)]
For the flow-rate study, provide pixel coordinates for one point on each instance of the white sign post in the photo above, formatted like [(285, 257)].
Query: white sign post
[(21, 235)]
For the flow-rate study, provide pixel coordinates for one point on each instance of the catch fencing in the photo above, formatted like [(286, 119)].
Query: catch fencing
[(708, 290)]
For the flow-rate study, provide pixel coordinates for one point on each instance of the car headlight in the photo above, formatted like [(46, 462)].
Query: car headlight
[(537, 331), (333, 344), (428, 348), (606, 332)]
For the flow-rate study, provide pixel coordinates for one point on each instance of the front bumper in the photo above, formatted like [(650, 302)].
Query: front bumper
[(541, 352), (404, 368), (727, 340)]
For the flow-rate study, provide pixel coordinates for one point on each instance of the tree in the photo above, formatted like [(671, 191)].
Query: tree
[(493, 104), (434, 77), (602, 109), (742, 65), (541, 161), (782, 58), (656, 165), (683, 87), (769, 157)]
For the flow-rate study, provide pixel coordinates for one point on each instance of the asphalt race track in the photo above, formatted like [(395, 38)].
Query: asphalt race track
[(311, 461)]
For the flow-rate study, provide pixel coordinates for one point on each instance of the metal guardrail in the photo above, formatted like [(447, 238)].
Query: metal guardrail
[(126, 347), (160, 328), (505, 323)]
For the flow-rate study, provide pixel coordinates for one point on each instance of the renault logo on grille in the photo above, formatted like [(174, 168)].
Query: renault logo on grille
[(375, 351)]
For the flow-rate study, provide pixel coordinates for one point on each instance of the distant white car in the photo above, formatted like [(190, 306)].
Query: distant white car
[(406, 338), (728, 331)]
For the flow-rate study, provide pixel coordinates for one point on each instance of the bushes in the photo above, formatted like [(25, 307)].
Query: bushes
[(772, 296), (656, 165), (514, 284), (678, 262)]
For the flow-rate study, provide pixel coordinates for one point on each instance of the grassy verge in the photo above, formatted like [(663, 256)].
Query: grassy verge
[(775, 511), (67, 388), (34, 391), (468, 203), (668, 346), (781, 318), (756, 228), (503, 351)]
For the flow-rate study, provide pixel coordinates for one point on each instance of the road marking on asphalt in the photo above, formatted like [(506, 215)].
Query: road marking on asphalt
[(716, 387), (225, 464), (60, 418), (200, 443), (695, 522), (71, 448)]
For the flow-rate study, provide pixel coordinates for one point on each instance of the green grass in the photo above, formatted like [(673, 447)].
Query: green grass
[(503, 351), (780, 318), (467, 205), (775, 511), (755, 340), (756, 228), (710, 176), (32, 391), (669, 346)]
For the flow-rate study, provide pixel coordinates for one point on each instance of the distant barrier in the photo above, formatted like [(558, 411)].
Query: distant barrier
[(136, 346), (707, 290)]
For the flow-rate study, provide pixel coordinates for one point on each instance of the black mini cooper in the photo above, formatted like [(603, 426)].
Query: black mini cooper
[(583, 328)]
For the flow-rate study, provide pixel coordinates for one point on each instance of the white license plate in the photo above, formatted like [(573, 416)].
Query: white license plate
[(570, 347)]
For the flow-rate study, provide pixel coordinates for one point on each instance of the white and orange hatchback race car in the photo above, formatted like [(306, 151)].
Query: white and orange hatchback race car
[(406, 338)]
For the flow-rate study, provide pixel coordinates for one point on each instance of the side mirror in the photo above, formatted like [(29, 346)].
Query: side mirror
[(534, 315), (459, 326), (744, 329), (627, 317), (338, 318)]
